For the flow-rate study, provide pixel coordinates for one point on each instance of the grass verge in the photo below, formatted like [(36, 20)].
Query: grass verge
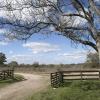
[(17, 78), (73, 90)]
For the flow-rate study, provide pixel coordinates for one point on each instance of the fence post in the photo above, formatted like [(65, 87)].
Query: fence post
[(61, 78), (57, 82), (81, 74), (12, 73), (99, 75), (51, 79), (4, 75)]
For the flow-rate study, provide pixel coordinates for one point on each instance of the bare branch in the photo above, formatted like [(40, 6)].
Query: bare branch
[(72, 19), (94, 7)]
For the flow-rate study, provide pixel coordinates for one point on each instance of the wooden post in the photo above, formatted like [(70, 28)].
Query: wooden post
[(61, 78), (57, 82), (99, 75), (12, 74), (51, 77), (4, 75), (81, 74)]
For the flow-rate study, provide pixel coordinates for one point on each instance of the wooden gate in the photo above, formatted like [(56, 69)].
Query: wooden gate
[(56, 79), (6, 74)]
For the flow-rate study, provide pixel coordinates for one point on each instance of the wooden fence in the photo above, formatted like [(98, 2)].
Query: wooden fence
[(6, 74), (58, 78)]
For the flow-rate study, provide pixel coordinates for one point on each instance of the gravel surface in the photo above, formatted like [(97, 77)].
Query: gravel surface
[(20, 90)]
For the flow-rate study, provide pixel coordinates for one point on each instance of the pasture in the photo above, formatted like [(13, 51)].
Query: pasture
[(72, 90)]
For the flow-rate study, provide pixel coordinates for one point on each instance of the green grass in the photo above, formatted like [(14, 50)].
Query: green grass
[(75, 90), (17, 78)]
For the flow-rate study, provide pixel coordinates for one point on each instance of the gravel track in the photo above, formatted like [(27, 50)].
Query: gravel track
[(20, 90)]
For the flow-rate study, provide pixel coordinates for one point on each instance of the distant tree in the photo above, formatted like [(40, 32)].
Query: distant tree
[(43, 65), (2, 58), (36, 64), (93, 59), (13, 64), (51, 65), (22, 65), (61, 65)]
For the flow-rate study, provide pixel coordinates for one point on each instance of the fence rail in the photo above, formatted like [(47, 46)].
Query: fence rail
[(6, 74), (58, 78)]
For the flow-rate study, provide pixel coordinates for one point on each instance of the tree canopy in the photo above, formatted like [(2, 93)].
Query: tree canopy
[(93, 58), (13, 64), (2, 58), (74, 19), (78, 20)]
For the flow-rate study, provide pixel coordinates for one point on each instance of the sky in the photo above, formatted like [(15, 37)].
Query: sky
[(49, 49), (45, 49)]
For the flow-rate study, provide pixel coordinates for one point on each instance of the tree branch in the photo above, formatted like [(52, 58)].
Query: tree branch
[(79, 15), (93, 6)]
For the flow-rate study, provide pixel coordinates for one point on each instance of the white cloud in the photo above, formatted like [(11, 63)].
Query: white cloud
[(3, 43), (73, 57), (2, 31), (79, 21), (70, 57), (77, 53), (41, 47), (20, 58)]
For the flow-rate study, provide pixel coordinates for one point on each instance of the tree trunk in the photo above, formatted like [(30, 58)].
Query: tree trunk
[(99, 54), (98, 46)]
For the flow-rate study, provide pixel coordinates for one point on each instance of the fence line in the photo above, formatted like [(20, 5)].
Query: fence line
[(6, 74), (58, 78)]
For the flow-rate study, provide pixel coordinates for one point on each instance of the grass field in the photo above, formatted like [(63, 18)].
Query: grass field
[(73, 90), (17, 78)]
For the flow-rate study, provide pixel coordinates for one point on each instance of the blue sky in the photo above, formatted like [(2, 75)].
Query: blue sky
[(49, 49)]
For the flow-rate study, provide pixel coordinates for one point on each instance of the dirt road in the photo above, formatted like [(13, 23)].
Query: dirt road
[(20, 90)]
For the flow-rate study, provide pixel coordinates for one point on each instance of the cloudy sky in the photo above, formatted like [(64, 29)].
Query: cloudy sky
[(51, 49)]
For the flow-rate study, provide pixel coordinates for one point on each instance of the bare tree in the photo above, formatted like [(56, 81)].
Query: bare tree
[(78, 20)]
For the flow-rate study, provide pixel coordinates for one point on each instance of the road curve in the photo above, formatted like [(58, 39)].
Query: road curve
[(20, 90)]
